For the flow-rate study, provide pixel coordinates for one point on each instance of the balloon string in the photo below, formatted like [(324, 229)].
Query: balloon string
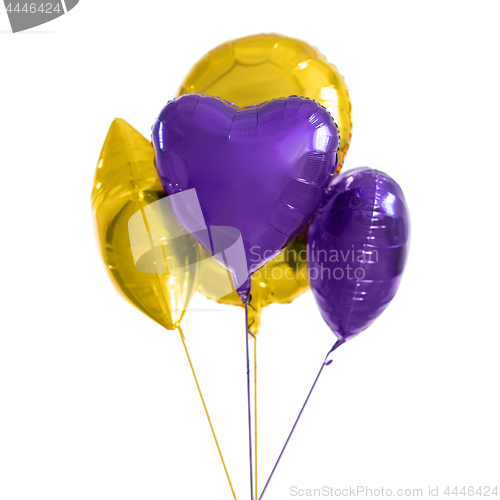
[(325, 363), (255, 407), (206, 409), (248, 401)]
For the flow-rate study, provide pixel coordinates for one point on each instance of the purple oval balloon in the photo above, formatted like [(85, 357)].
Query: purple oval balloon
[(262, 169), (357, 249)]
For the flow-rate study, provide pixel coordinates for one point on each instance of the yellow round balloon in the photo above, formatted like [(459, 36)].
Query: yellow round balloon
[(252, 70), (161, 282), (258, 68)]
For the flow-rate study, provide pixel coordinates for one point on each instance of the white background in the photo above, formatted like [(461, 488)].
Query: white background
[(97, 401)]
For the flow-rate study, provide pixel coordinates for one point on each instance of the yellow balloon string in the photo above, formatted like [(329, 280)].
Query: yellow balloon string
[(255, 406), (206, 409)]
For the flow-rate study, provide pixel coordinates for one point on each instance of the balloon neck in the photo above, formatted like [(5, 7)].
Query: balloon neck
[(253, 319), (335, 346), (244, 292), (179, 329)]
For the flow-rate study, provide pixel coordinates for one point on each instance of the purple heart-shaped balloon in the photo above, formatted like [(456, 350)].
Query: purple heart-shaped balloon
[(262, 169)]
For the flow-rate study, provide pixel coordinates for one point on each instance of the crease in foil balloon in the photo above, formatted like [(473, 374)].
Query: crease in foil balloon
[(262, 170), (158, 241)]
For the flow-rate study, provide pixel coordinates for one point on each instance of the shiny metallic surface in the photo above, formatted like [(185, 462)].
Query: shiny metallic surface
[(125, 183), (357, 249), (261, 169), (251, 70), (258, 68)]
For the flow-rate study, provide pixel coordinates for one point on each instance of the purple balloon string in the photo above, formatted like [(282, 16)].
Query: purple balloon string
[(248, 397), (326, 362)]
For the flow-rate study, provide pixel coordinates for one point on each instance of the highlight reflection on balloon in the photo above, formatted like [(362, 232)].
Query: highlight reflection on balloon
[(126, 184)]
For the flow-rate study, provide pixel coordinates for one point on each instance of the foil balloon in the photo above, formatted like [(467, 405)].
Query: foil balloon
[(261, 170), (279, 281), (259, 68), (159, 279), (357, 249)]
